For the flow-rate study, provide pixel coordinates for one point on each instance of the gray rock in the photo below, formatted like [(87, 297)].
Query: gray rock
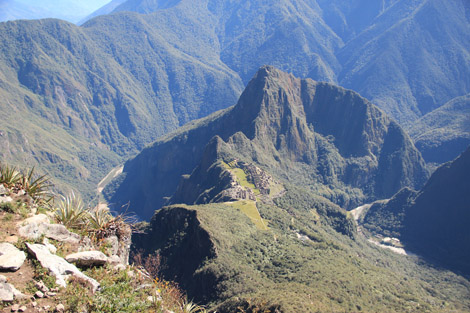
[(3, 190), (113, 242), (39, 294), (6, 199), (49, 246), (119, 267), (8, 292), (87, 258), (15, 307), (11, 258), (35, 219), (58, 267), (41, 286), (22, 308), (53, 231), (114, 260)]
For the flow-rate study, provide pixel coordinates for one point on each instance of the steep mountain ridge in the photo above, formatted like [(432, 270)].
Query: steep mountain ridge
[(111, 99), (434, 221), (442, 135), (274, 125)]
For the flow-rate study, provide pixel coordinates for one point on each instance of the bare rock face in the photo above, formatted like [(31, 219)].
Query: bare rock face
[(11, 258), (53, 231), (87, 258), (58, 267)]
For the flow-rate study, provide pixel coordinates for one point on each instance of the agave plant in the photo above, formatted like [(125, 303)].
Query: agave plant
[(98, 218), (71, 211), (37, 187), (9, 176), (190, 307)]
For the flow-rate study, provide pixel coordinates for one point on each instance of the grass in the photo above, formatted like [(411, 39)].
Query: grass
[(249, 208)]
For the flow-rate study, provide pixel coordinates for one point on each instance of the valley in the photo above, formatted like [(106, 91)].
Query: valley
[(290, 156)]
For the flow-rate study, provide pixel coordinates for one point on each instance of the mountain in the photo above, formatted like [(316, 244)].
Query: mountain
[(127, 78), (77, 107), (432, 222), (106, 9), (391, 52), (443, 134), (222, 259), (316, 134), (71, 11), (399, 61), (251, 224)]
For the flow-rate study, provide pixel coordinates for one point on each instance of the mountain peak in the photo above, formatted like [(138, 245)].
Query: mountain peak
[(319, 133)]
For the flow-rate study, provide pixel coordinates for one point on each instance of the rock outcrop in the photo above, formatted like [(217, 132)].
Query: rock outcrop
[(58, 267), (53, 231), (87, 258), (11, 258)]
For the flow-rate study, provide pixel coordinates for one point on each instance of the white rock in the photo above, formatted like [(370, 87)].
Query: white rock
[(3, 279), (3, 190), (39, 294), (114, 260), (5, 199), (15, 307), (49, 246), (87, 258), (35, 219), (119, 267), (57, 266), (53, 231), (60, 308), (8, 292), (11, 258)]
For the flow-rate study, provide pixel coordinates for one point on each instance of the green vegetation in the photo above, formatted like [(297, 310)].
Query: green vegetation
[(322, 271), (249, 209), (71, 211)]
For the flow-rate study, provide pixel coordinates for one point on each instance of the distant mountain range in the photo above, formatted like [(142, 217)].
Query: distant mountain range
[(128, 78), (71, 11)]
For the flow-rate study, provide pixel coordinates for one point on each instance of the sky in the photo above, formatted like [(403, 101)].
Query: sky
[(69, 10)]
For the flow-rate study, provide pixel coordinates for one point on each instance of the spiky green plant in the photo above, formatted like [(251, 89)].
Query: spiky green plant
[(9, 175), (71, 211), (190, 307), (37, 187), (98, 218)]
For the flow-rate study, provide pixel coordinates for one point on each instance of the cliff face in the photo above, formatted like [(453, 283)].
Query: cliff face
[(434, 221), (437, 222), (184, 245), (305, 132)]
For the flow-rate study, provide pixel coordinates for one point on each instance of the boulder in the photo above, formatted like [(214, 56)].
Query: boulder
[(6, 199), (114, 260), (35, 219), (11, 258), (53, 231), (8, 292), (58, 267), (87, 258), (3, 190)]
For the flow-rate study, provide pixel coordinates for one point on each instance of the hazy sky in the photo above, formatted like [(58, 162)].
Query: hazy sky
[(70, 10)]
